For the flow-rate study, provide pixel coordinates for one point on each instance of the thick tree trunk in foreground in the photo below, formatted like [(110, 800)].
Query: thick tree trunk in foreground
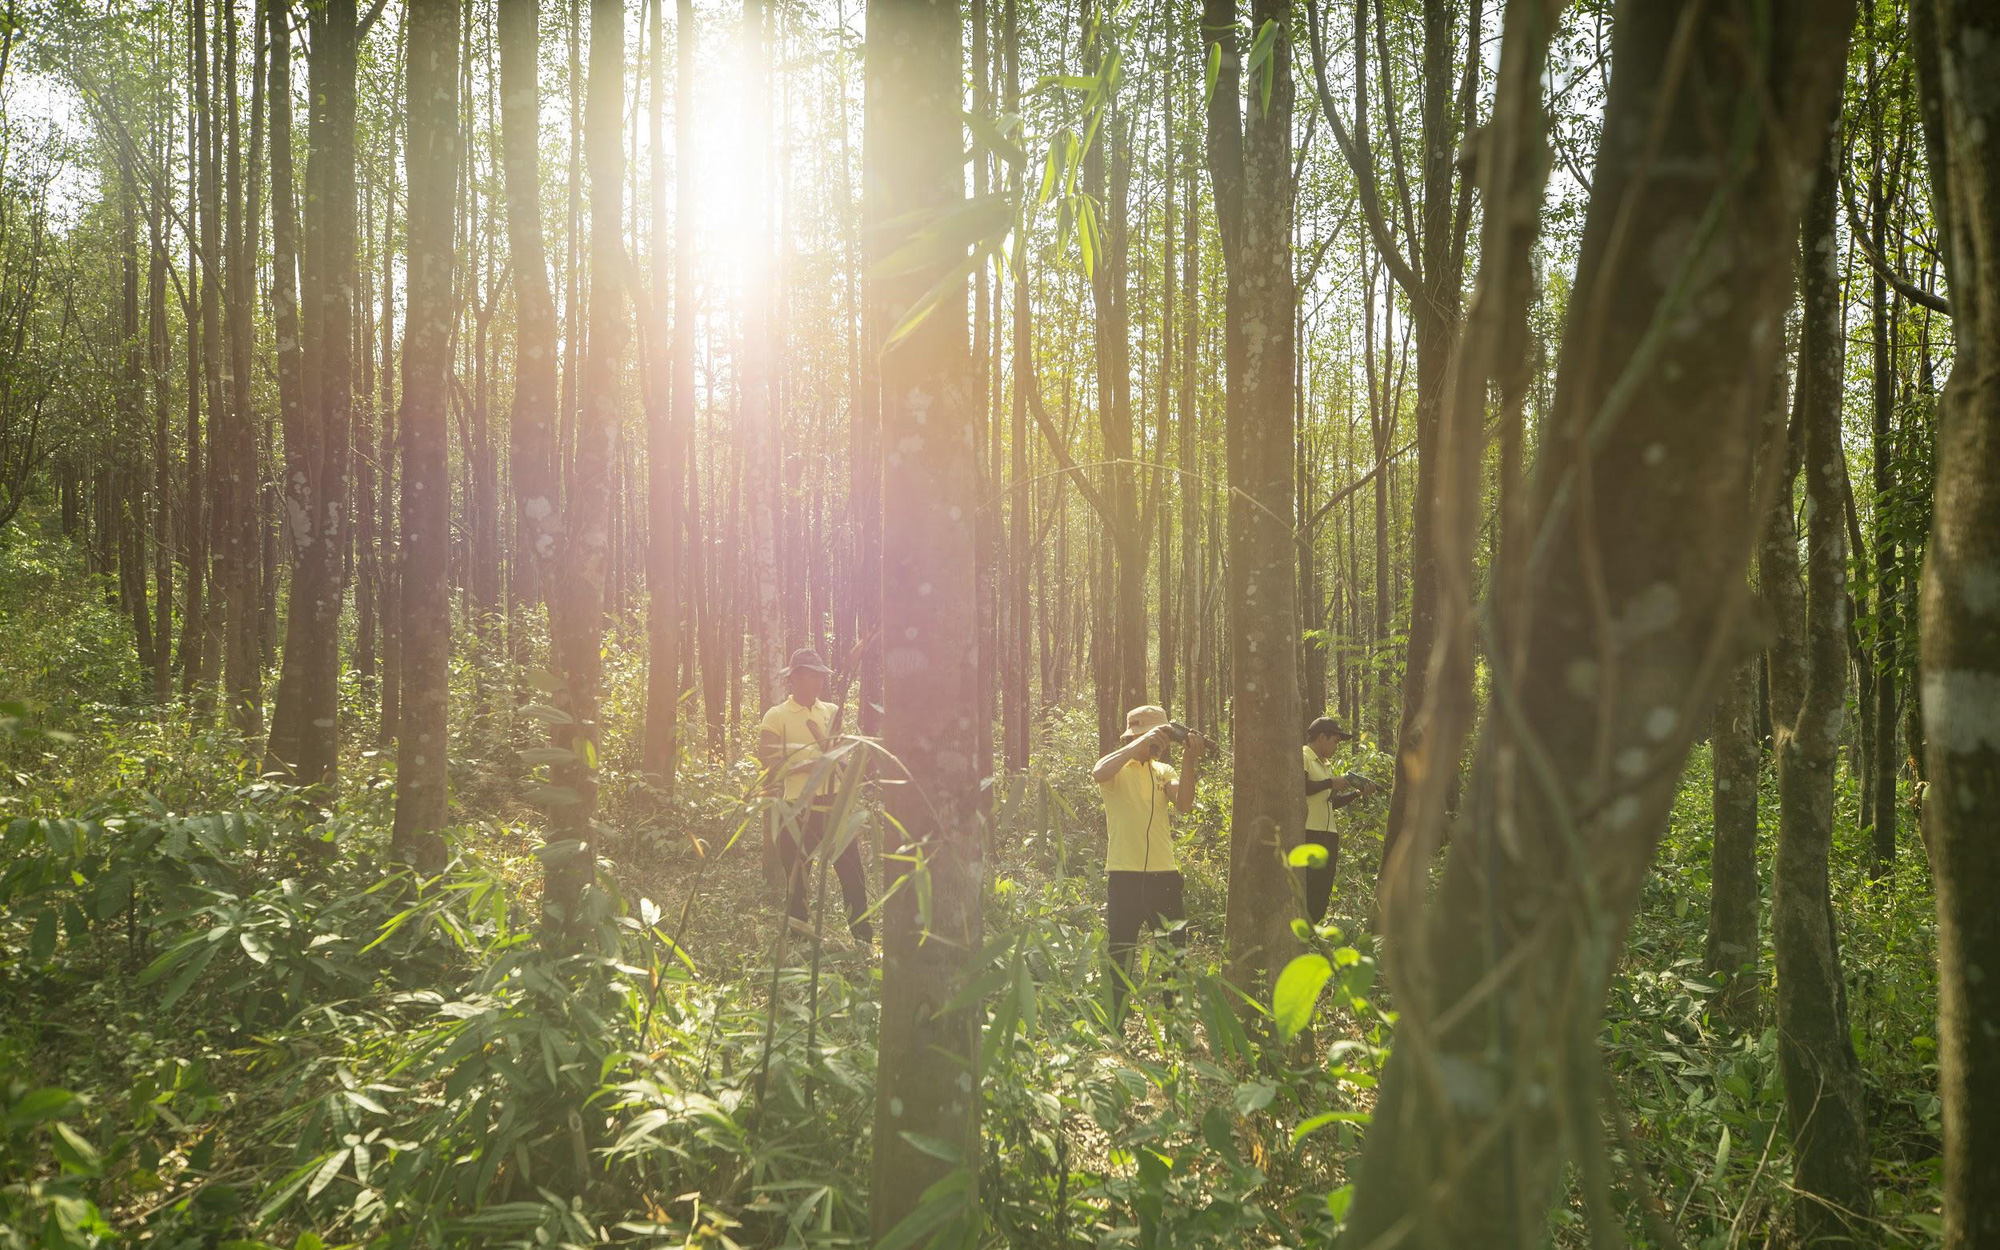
[(928, 1082), (1731, 953), (578, 592), (1642, 508), (1958, 58), (1823, 1094), (1250, 161), (431, 161)]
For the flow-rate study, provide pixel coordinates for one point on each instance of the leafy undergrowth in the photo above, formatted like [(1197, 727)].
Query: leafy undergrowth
[(229, 1020)]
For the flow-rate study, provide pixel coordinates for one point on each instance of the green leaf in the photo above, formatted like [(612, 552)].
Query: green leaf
[(1307, 855), (935, 1147), (1339, 1201), (535, 757), (1252, 1096), (1261, 57), (186, 979), (327, 1171), (548, 714), (996, 140), (36, 1106), (255, 946), (1315, 1123), (75, 1152), (1213, 71), (1297, 993)]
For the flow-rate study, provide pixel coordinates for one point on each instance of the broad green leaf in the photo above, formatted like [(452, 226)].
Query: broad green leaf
[(1307, 855), (1297, 992), (38, 1105), (935, 1147), (1254, 1096)]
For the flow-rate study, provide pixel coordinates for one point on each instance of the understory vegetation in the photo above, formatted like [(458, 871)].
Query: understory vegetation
[(229, 1020)]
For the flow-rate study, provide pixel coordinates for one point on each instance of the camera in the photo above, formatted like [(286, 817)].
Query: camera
[(1177, 731)]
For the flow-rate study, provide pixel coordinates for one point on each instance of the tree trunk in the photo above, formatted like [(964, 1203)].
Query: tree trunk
[(1015, 719), (282, 747), (670, 405), (1496, 1079), (928, 1084), (1250, 163), (531, 422), (1731, 953), (579, 584), (760, 418), (1957, 46), (242, 657), (1823, 1094), (1879, 806), (431, 156)]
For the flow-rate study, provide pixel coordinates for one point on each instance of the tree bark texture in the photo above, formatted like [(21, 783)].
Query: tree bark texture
[(1609, 647), (1730, 955), (1957, 45), (586, 548), (1823, 1095), (928, 1083), (431, 162), (1250, 162)]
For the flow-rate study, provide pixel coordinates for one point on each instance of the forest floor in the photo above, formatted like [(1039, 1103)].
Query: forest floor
[(223, 1017)]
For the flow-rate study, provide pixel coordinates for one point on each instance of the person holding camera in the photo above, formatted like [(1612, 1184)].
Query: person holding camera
[(1328, 789), (1143, 887), (791, 738)]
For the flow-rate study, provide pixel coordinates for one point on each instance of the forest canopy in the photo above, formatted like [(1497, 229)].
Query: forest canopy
[(974, 623)]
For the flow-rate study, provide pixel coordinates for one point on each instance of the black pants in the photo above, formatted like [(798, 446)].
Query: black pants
[(801, 873), (1136, 900), (1319, 881)]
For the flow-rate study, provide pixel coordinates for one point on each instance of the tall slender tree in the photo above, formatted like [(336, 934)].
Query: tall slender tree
[(1957, 48), (431, 157), (1250, 164), (586, 540), (532, 423)]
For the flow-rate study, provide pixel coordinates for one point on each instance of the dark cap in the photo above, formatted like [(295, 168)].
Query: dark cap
[(1326, 726), (806, 660)]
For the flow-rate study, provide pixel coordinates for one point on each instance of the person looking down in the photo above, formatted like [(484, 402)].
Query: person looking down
[(1328, 789), (791, 740), (1143, 884)]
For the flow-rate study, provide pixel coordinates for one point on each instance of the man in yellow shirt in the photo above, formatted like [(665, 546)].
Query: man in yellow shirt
[(1328, 789), (1143, 887), (793, 736)]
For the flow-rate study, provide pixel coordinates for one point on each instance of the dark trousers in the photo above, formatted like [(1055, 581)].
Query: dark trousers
[(1319, 881), (1136, 900), (802, 873)]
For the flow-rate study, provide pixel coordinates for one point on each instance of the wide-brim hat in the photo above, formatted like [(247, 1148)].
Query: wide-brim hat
[(806, 660), (1143, 719)]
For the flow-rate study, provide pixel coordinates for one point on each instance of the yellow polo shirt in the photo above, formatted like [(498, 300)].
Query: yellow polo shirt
[(1319, 807), (801, 732), (1135, 817)]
